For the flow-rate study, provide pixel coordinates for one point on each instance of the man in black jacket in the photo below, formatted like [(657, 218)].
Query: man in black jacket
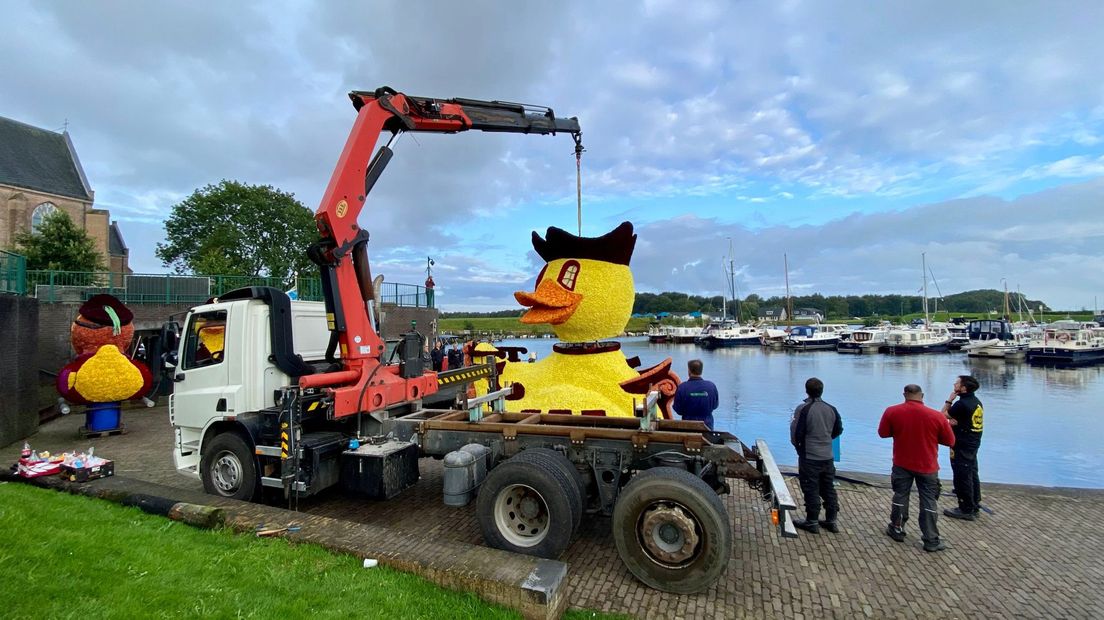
[(966, 416), (814, 425)]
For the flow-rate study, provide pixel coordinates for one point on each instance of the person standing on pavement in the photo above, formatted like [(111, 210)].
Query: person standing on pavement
[(966, 416), (814, 425), (696, 398), (917, 432)]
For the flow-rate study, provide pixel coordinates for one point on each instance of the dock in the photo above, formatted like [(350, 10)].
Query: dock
[(1036, 552)]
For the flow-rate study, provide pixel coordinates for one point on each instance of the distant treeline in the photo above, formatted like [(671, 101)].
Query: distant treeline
[(836, 306)]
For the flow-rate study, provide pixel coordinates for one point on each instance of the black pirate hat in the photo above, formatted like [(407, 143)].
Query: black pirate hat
[(99, 308), (614, 247)]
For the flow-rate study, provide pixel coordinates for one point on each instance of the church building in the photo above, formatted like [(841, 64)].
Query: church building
[(40, 174)]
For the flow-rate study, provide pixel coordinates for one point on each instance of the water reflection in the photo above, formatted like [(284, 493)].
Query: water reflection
[(1028, 410)]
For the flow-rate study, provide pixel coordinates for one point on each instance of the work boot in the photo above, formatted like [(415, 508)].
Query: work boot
[(895, 533), (809, 525), (829, 522), (957, 513), (932, 547)]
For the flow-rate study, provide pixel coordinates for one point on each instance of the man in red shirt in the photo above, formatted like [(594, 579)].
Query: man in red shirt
[(917, 433)]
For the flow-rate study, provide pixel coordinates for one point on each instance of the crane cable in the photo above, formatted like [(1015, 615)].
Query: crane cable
[(579, 178)]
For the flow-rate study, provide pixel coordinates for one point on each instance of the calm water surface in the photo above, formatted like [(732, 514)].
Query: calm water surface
[(1043, 426)]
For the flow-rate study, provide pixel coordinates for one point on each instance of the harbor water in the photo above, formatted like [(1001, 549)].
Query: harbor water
[(1042, 425)]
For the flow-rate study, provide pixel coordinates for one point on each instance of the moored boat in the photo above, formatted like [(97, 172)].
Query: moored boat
[(915, 340), (813, 337), (994, 339), (865, 340), (1068, 343)]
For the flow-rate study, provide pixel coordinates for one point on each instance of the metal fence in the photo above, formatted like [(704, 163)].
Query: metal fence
[(13, 273), (139, 288)]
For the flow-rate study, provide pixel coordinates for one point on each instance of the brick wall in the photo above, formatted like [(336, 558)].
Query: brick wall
[(54, 350), (396, 320), (19, 397)]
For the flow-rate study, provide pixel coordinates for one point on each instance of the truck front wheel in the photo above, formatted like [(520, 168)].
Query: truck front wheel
[(228, 468), (671, 530)]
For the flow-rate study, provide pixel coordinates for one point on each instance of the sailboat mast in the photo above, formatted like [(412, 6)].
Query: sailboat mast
[(732, 283), (1007, 312), (924, 274), (789, 301)]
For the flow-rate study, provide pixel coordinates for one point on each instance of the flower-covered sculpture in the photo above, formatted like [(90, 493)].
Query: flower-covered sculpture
[(586, 292), (101, 372)]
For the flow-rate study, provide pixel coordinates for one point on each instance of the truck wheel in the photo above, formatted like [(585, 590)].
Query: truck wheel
[(556, 460), (525, 507), (228, 468), (672, 531)]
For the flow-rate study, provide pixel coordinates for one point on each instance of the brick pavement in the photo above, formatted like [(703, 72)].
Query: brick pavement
[(1039, 553)]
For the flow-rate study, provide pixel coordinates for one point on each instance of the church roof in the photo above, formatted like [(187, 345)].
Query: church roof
[(40, 160), (115, 244)]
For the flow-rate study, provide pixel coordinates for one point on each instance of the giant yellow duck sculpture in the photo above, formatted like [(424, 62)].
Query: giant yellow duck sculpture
[(585, 292)]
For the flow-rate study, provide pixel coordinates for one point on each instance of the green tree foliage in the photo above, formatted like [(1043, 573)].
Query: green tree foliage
[(59, 245), (237, 229)]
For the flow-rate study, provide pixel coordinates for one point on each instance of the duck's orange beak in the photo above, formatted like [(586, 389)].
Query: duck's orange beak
[(550, 303)]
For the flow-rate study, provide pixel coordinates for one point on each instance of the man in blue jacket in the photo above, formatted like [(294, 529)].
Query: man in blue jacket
[(696, 398)]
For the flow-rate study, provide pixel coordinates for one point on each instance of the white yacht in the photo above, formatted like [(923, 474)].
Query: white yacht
[(865, 340), (814, 337), (922, 339), (1068, 343), (995, 339)]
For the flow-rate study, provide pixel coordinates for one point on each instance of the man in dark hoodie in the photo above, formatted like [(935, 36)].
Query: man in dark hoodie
[(814, 425)]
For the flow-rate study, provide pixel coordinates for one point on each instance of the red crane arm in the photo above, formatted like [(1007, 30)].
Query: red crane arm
[(365, 383)]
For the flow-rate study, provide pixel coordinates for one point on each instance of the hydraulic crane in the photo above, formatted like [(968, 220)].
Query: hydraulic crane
[(365, 382)]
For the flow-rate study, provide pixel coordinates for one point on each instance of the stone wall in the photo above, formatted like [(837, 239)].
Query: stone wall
[(396, 321), (19, 397), (54, 350)]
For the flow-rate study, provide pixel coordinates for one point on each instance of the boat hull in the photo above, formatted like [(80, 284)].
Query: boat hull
[(1055, 356), (917, 349), (810, 345), (713, 342)]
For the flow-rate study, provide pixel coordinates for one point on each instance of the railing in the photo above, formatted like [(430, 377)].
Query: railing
[(139, 288), (13, 273)]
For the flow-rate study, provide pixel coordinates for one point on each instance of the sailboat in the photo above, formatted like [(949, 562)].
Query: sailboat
[(729, 333), (926, 338)]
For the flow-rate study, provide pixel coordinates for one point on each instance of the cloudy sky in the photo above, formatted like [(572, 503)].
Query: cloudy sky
[(851, 136)]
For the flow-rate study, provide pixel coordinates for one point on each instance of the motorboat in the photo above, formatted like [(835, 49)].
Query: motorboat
[(814, 337), (994, 339), (772, 336), (912, 340), (729, 334), (1068, 343), (657, 333), (865, 340)]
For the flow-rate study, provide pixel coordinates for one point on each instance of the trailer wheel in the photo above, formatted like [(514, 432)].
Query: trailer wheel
[(228, 468), (553, 459), (672, 531), (525, 507)]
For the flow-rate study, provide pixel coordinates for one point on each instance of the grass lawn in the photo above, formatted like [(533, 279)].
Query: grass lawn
[(66, 556)]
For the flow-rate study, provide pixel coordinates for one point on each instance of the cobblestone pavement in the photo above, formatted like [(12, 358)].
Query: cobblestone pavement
[(1039, 554)]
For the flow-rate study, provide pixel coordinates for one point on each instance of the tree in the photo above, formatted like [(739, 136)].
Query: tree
[(237, 229), (58, 245)]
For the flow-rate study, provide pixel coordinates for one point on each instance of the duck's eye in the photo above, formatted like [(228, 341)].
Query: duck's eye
[(568, 274)]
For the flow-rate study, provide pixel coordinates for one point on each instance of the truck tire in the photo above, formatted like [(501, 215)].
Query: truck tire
[(553, 459), (526, 507), (671, 530), (228, 468)]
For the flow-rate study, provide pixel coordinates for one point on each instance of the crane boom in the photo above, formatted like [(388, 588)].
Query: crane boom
[(365, 383)]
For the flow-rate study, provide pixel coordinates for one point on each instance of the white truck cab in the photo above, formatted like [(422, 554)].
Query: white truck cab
[(226, 368)]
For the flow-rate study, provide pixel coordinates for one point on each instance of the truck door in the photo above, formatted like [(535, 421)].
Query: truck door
[(202, 374)]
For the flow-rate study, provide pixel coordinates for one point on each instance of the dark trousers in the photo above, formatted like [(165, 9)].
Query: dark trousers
[(927, 485), (966, 484), (816, 478)]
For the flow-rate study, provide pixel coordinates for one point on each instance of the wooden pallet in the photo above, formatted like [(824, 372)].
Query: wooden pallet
[(87, 434)]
